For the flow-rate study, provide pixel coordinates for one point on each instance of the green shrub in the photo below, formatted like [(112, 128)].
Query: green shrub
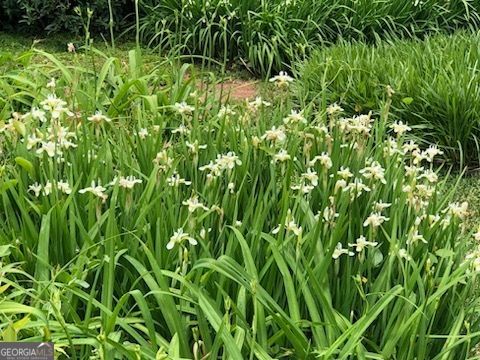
[(266, 35), (55, 16), (8, 11), (168, 224), (436, 81)]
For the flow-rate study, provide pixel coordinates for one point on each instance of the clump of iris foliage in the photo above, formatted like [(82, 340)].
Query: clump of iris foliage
[(267, 35), (141, 218), (436, 81)]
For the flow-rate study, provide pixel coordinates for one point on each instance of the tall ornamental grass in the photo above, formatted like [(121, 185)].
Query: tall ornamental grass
[(267, 35), (436, 83), (153, 222)]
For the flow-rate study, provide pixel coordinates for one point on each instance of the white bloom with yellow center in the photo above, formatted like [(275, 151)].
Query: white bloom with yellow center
[(339, 251), (64, 187), (228, 161), (213, 168), (414, 237), (359, 124), (98, 118), (410, 146), (175, 180), (182, 130), (344, 173), (362, 243), (225, 110), (375, 220), (143, 133), (193, 204), (403, 253), (311, 176), (459, 210), (256, 141), (57, 112), (424, 191), (400, 128), (47, 188), (275, 135), (163, 160), (96, 190), (374, 171), (324, 159), (302, 188), (183, 108), (52, 102), (290, 225), (356, 188), (60, 133), (66, 144), (339, 185), (380, 206), (258, 103), (476, 236), (334, 109), (322, 129), (430, 175), (126, 182), (33, 141), (52, 83), (418, 156), (329, 214), (295, 117), (36, 114), (431, 152), (50, 148), (55, 106), (412, 170), (36, 189), (179, 237), (195, 147), (282, 79), (281, 156)]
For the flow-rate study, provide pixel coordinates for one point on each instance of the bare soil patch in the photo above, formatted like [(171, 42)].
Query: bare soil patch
[(233, 90)]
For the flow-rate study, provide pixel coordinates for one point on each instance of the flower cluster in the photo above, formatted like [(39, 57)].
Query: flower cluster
[(38, 189), (321, 163), (224, 162)]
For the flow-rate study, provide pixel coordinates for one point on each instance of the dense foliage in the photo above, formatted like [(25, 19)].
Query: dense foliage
[(437, 84), (266, 35), (142, 219), (145, 216), (55, 16)]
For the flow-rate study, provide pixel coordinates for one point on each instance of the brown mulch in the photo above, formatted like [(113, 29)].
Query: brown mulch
[(233, 90)]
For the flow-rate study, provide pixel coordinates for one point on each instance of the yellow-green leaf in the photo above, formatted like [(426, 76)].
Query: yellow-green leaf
[(7, 185), (9, 334), (19, 127), (20, 324), (25, 164), (3, 288)]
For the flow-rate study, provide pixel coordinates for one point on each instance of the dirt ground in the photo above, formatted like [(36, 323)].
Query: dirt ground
[(235, 89)]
